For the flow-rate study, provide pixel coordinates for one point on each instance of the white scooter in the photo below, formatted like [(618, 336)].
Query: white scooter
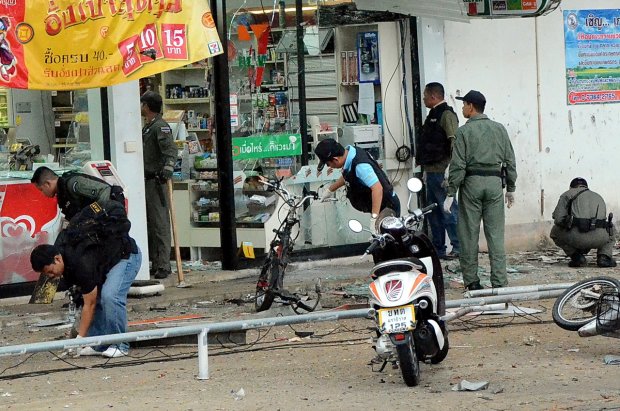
[(407, 292)]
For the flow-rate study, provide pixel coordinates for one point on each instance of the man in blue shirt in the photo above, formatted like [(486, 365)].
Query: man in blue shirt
[(368, 188)]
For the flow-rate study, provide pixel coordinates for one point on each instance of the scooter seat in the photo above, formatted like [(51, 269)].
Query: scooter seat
[(400, 265)]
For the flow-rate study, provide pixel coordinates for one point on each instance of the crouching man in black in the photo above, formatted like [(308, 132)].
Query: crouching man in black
[(96, 253)]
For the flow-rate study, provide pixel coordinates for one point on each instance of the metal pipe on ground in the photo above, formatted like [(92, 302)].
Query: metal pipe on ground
[(196, 329), (473, 308), (516, 290), (542, 295)]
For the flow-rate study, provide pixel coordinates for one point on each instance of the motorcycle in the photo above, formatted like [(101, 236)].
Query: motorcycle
[(590, 307), (407, 291)]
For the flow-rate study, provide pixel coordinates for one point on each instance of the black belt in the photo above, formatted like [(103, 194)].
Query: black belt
[(483, 173), (597, 224)]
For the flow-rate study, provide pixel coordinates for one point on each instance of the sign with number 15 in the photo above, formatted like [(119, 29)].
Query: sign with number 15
[(73, 44)]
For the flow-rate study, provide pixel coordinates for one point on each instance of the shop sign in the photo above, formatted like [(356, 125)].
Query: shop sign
[(592, 42), (277, 145), (75, 44), (510, 8)]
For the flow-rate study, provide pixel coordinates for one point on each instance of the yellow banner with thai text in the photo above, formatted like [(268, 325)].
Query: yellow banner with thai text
[(75, 44)]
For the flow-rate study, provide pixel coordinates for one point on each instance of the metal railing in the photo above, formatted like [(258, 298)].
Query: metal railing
[(201, 330)]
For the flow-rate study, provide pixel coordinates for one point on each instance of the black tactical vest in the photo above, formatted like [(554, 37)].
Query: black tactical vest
[(433, 145), (358, 194)]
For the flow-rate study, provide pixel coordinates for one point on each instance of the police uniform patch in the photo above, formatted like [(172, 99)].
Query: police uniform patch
[(166, 129), (95, 207)]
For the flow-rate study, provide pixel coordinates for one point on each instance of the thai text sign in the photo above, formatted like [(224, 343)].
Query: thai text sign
[(73, 44), (277, 145), (592, 41)]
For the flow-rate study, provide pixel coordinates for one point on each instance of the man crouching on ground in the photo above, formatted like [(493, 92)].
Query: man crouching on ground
[(96, 253)]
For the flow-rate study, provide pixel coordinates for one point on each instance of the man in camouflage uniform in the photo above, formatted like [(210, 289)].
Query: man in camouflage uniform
[(481, 149), (580, 225), (73, 190), (160, 154)]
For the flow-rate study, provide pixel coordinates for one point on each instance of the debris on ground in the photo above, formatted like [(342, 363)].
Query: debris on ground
[(199, 265), (612, 359), (465, 385), (238, 395)]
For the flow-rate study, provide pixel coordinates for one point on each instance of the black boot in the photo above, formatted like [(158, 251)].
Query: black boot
[(474, 286), (605, 261), (577, 260)]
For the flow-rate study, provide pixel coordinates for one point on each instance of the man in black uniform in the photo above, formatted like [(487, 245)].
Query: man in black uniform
[(368, 188), (580, 225), (159, 154), (74, 190), (96, 253)]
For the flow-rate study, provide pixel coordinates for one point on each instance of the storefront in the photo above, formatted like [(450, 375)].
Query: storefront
[(353, 92), (354, 88)]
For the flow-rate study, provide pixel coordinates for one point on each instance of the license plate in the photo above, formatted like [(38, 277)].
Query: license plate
[(397, 319)]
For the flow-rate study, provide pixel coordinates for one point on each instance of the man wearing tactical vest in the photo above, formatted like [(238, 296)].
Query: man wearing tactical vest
[(74, 190), (368, 188), (433, 152), (482, 149), (580, 224), (95, 253), (160, 154)]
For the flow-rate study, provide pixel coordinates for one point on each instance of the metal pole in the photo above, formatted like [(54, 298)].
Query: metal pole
[(228, 224), (194, 329), (203, 355), (473, 308), (504, 298), (516, 290), (301, 81)]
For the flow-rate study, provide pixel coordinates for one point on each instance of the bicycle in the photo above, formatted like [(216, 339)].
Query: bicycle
[(270, 284)]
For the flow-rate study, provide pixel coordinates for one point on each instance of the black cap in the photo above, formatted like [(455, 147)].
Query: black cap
[(578, 182), (475, 97), (151, 96), (326, 150)]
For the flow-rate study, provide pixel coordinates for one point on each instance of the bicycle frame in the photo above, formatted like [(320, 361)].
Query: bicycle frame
[(271, 279)]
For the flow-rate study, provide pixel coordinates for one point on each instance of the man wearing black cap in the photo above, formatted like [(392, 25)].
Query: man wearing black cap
[(159, 154), (579, 225), (368, 188), (481, 149)]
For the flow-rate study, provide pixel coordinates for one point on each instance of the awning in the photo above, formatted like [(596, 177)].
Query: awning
[(455, 10)]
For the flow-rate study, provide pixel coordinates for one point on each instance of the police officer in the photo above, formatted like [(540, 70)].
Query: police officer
[(160, 154), (368, 188), (481, 149), (73, 190), (434, 148), (579, 225), (96, 253)]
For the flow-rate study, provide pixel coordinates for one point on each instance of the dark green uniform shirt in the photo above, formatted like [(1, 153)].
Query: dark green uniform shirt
[(77, 190), (481, 144), (587, 205), (159, 149)]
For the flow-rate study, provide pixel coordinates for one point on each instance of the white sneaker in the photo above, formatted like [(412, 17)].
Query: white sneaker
[(86, 351), (114, 352)]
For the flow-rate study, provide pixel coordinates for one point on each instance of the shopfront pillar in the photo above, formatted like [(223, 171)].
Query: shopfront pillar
[(125, 129)]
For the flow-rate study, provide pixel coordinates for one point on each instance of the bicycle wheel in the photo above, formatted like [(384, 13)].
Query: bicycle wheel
[(577, 305), (268, 280)]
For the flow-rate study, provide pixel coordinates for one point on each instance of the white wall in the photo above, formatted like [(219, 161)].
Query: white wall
[(511, 61)]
